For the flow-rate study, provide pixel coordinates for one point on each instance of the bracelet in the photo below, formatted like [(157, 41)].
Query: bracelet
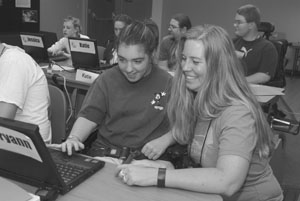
[(73, 137), (161, 177)]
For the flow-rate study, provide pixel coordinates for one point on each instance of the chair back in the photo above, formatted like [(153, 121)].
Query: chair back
[(58, 114), (278, 80), (101, 50)]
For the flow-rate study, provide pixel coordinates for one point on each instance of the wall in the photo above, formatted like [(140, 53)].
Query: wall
[(284, 14), (53, 12)]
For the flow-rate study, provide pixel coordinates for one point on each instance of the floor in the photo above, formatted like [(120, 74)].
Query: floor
[(291, 151)]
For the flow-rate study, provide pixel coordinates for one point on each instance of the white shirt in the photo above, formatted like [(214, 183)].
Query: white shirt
[(23, 83)]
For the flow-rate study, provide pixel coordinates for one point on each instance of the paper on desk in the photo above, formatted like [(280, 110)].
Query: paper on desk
[(57, 68), (263, 90)]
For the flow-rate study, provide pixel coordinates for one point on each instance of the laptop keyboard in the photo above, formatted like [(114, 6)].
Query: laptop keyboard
[(69, 172)]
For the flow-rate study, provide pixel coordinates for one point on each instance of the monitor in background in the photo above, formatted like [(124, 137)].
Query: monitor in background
[(84, 53), (34, 45), (49, 38)]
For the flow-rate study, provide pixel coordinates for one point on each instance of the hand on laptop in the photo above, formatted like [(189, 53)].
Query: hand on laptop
[(69, 146)]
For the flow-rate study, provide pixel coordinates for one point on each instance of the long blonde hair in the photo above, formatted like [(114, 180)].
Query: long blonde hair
[(223, 85)]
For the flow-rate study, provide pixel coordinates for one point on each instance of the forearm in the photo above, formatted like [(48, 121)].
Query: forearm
[(204, 180), (8, 110), (258, 78), (82, 128)]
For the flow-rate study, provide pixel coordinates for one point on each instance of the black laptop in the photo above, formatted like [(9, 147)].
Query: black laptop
[(34, 45), (50, 38), (25, 158)]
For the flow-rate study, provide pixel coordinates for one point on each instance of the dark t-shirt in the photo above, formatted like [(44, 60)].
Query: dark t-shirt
[(128, 114), (260, 55)]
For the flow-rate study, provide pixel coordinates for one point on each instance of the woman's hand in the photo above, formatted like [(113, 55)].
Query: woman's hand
[(155, 148), (142, 172), (138, 175), (70, 145)]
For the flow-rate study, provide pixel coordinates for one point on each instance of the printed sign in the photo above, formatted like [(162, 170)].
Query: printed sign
[(18, 143), (82, 46), (85, 76), (35, 41)]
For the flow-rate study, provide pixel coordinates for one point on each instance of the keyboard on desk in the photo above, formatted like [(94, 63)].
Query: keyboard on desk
[(69, 172), (72, 168)]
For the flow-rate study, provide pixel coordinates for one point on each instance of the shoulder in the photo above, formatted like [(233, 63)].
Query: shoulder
[(236, 115), (168, 39), (83, 36)]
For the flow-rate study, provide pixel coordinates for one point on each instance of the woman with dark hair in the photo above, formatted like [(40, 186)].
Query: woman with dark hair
[(110, 53), (179, 24), (213, 110), (127, 103)]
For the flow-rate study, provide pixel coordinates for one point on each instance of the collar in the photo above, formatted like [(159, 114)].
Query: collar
[(2, 49)]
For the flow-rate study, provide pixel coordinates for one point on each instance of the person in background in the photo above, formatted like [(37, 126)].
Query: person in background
[(179, 24), (24, 94), (72, 28), (212, 109), (258, 55), (126, 103), (110, 54)]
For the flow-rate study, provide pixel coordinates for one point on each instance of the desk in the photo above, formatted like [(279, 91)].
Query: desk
[(70, 79), (103, 185)]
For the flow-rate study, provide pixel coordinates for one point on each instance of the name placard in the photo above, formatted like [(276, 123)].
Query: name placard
[(35, 41), (82, 46), (85, 76), (14, 141)]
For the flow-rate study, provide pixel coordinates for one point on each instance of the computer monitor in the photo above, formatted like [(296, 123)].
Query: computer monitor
[(33, 44), (84, 53)]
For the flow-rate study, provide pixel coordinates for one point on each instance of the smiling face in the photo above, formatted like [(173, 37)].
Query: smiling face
[(133, 61), (69, 30), (193, 64)]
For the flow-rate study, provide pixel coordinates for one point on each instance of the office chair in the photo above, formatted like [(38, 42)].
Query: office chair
[(58, 114), (267, 28), (101, 50)]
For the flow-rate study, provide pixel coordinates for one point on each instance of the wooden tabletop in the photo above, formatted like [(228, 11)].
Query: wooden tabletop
[(105, 186)]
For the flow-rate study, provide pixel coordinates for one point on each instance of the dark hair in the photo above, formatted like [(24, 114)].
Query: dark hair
[(251, 13), (140, 33), (123, 18), (183, 20)]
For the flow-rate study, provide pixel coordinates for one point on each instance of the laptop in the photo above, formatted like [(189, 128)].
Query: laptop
[(50, 38), (84, 53), (34, 45), (25, 158)]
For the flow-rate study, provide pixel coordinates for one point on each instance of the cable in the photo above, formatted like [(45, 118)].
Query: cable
[(69, 99), (54, 63)]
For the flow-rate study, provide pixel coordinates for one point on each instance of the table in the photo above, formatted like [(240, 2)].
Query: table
[(103, 185)]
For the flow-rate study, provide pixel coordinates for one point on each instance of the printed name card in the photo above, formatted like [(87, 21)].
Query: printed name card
[(82, 46), (17, 142), (35, 41), (85, 76)]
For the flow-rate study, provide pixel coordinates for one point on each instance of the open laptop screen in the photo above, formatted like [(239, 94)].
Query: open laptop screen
[(34, 45), (24, 157), (84, 53), (23, 154)]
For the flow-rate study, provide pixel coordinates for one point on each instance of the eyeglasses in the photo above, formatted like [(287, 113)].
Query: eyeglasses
[(238, 22), (173, 27)]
